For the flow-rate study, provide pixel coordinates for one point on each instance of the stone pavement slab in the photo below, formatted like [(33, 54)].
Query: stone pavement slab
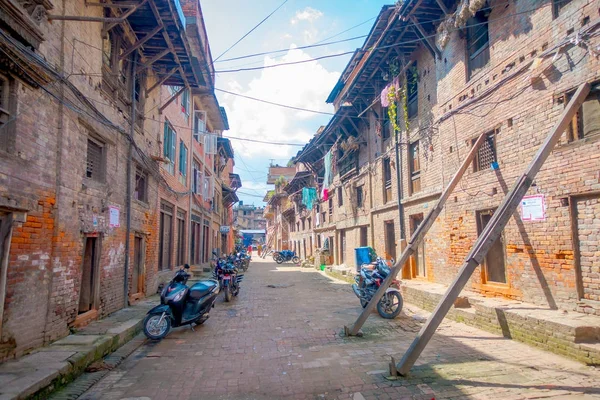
[(41, 372), (285, 342)]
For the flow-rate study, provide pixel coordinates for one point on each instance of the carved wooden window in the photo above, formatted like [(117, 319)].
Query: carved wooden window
[(387, 181), (486, 155), (415, 167), (4, 101)]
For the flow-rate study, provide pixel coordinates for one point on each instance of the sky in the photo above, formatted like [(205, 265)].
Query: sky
[(297, 23)]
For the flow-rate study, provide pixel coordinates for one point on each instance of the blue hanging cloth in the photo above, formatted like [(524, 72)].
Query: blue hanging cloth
[(309, 195)]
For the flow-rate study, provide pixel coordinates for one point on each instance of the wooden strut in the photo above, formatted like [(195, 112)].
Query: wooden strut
[(491, 232), (416, 239)]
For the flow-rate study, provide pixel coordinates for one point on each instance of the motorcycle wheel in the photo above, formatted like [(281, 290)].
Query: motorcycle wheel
[(279, 259), (154, 332), (390, 305), (363, 303), (296, 260), (228, 294), (275, 255)]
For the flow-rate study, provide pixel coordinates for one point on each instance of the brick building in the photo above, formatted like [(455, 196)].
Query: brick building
[(455, 72), (83, 103), (249, 216)]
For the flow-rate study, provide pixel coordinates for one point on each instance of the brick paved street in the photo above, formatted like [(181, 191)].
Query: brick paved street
[(285, 343)]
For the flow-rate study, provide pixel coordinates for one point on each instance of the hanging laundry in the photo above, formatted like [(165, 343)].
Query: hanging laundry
[(327, 176), (325, 194), (309, 195)]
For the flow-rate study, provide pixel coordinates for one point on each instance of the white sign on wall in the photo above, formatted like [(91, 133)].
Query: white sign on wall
[(114, 214), (533, 208)]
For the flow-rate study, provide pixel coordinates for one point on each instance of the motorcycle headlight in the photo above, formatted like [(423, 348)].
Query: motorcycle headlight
[(178, 296)]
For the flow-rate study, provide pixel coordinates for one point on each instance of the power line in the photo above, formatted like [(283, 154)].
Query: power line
[(273, 103), (310, 46), (284, 64), (250, 31)]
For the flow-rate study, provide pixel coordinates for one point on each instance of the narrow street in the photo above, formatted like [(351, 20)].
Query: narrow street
[(280, 339)]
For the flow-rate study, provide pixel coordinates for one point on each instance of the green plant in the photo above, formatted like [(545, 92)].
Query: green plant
[(281, 181)]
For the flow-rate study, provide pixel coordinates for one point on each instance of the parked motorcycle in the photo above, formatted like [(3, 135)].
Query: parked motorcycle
[(369, 279), (286, 255), (228, 277), (181, 305)]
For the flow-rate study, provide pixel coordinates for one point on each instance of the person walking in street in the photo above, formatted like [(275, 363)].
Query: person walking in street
[(259, 249), (250, 250)]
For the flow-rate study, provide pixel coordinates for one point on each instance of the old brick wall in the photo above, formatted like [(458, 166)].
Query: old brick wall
[(539, 255), (45, 175)]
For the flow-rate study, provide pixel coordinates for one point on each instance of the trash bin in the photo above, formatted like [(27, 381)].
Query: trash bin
[(363, 255)]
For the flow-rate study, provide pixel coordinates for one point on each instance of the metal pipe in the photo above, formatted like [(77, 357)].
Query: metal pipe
[(399, 183), (128, 192)]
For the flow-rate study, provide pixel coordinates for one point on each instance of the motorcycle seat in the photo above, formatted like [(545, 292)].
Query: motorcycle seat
[(201, 289)]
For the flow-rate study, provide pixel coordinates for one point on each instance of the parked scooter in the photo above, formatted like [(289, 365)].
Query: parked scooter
[(226, 272), (181, 305), (286, 255), (369, 279)]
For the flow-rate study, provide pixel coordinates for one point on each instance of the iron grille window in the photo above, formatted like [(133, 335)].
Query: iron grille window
[(340, 193), (486, 155), (478, 42), (94, 168), (412, 91), (141, 186), (415, 167)]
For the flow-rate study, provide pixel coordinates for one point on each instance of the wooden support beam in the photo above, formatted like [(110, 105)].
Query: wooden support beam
[(153, 60), (140, 42), (167, 39), (161, 80), (122, 18), (176, 95), (125, 4), (427, 40), (492, 231), (416, 239)]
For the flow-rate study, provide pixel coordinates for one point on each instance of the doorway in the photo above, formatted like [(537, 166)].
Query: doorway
[(390, 240), (363, 236), (89, 275), (342, 246), (137, 281), (493, 266), (587, 259), (6, 222), (418, 259)]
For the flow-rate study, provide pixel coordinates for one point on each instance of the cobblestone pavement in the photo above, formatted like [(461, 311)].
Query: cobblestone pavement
[(284, 342)]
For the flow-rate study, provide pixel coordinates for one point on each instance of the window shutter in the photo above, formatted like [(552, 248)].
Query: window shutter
[(199, 124), (166, 138), (210, 143), (173, 144)]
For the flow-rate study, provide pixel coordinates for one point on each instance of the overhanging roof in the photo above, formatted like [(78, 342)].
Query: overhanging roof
[(299, 181), (226, 145)]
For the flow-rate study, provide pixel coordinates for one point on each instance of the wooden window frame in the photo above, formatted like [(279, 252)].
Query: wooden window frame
[(412, 91), (101, 176), (484, 264), (360, 199), (557, 6), (139, 174), (483, 50), (576, 129), (170, 146), (340, 196), (387, 180), (414, 164)]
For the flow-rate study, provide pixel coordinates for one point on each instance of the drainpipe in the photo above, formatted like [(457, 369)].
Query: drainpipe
[(399, 183), (189, 170), (371, 221), (128, 195)]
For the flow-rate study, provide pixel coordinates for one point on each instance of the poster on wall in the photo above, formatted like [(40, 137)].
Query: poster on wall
[(114, 213), (533, 208)]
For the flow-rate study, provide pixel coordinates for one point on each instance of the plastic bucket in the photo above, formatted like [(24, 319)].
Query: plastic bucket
[(323, 267)]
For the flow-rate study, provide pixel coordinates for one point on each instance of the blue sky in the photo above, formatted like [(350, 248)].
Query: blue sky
[(297, 23)]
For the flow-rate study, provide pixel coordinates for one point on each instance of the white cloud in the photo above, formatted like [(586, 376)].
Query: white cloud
[(305, 85), (308, 14)]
